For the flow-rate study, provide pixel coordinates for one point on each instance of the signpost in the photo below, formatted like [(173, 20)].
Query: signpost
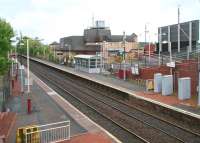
[(199, 91), (171, 64), (135, 69)]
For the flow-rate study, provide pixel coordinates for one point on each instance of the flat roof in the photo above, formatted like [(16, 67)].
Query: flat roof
[(86, 56)]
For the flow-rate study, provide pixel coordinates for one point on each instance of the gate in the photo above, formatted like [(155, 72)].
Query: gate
[(54, 132)]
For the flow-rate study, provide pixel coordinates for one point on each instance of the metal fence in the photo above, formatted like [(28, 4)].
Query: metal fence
[(155, 59), (4, 90), (54, 132)]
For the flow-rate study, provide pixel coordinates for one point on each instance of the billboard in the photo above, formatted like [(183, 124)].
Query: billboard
[(184, 32)]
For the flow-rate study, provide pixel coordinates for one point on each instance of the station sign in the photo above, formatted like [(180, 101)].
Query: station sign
[(135, 69), (171, 64)]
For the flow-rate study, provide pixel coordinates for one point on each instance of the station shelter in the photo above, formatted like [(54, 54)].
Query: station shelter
[(88, 63)]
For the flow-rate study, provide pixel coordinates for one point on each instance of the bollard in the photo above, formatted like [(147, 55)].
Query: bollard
[(199, 91), (12, 83), (16, 76), (29, 106)]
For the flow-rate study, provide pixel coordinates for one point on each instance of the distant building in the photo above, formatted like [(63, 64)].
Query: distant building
[(88, 63), (57, 51), (184, 35), (76, 45), (54, 46), (97, 39)]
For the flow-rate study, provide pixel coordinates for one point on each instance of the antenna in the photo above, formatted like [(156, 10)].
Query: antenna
[(93, 20), (178, 29), (124, 36), (21, 35), (145, 33), (179, 13)]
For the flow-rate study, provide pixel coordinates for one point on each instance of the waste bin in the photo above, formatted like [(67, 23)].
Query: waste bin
[(29, 106)]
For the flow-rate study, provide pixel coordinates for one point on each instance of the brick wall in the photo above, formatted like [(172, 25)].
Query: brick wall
[(188, 68), (148, 73), (150, 48)]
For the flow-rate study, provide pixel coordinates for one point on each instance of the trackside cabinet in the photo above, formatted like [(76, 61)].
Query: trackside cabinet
[(157, 82), (167, 85), (184, 88)]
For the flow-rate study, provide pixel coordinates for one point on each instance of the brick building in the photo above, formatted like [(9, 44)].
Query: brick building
[(97, 39)]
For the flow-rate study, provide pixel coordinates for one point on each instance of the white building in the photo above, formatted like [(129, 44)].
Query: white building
[(88, 63)]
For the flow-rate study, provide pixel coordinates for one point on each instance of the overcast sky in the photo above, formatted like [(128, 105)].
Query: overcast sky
[(53, 19)]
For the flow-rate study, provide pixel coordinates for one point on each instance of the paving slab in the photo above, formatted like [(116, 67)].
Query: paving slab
[(44, 111)]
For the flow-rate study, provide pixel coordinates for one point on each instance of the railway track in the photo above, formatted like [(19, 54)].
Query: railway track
[(144, 126), (172, 129), (119, 131)]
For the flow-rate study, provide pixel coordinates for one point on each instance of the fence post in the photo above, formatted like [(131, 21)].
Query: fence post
[(199, 91)]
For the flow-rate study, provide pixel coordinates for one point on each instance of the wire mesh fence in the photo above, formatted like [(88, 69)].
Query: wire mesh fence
[(4, 90)]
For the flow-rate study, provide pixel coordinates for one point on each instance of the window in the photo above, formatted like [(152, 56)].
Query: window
[(98, 63), (92, 63)]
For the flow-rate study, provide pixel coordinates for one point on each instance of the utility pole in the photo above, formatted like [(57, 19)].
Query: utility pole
[(21, 69), (101, 53), (198, 83), (28, 84), (12, 63), (178, 29), (169, 48), (104, 54), (160, 44), (169, 45), (124, 57), (149, 50), (16, 54), (54, 53), (145, 33), (145, 36), (69, 53), (190, 37)]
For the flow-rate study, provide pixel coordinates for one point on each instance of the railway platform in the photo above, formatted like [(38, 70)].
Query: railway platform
[(49, 107), (188, 107)]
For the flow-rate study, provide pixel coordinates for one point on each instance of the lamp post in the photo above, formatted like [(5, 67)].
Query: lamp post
[(149, 50), (160, 34), (145, 33), (160, 44), (15, 58), (21, 68), (69, 51), (20, 43), (199, 91), (100, 45), (28, 76), (124, 57), (54, 53), (101, 53), (178, 29), (12, 66), (103, 48)]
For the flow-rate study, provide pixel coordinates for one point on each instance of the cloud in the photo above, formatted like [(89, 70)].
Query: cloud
[(40, 2), (53, 19), (51, 25)]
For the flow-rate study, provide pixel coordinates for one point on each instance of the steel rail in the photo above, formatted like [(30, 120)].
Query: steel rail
[(83, 102)]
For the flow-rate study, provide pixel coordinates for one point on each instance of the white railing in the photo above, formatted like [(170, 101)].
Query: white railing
[(54, 132)]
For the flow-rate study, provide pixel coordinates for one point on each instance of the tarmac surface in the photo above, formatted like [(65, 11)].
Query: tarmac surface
[(49, 107), (44, 110)]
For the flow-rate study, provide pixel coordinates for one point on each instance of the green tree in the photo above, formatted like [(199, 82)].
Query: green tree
[(6, 33), (36, 48)]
